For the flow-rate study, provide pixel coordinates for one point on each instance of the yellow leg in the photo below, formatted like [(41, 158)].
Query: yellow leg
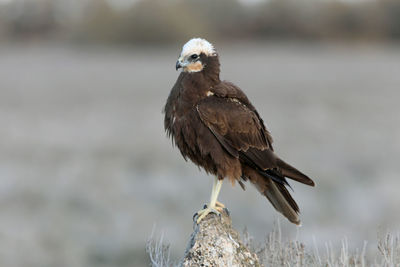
[(214, 206)]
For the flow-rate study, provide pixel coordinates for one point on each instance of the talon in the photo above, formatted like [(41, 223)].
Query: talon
[(214, 206), (205, 206), (227, 212), (219, 209), (219, 204), (204, 212), (194, 216)]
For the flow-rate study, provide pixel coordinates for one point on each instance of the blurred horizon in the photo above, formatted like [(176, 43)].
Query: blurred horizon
[(158, 22)]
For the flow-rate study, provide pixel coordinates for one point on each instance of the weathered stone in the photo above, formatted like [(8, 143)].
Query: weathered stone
[(215, 243)]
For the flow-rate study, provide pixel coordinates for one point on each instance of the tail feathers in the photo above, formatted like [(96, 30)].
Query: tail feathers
[(276, 193), (282, 201), (293, 173)]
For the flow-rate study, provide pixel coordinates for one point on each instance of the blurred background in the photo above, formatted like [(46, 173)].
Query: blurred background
[(86, 170)]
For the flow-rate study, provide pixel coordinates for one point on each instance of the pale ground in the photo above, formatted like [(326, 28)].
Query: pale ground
[(86, 171)]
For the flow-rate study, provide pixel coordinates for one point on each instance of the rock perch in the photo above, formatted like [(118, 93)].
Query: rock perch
[(215, 243)]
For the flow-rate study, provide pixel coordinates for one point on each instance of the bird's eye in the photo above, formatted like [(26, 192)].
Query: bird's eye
[(194, 56)]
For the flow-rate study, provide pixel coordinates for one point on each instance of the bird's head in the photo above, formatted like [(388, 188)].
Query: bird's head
[(194, 55)]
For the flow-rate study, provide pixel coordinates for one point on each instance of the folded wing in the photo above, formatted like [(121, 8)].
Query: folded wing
[(241, 132)]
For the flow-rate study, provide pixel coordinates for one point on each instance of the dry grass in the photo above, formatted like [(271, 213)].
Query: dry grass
[(158, 251), (276, 252)]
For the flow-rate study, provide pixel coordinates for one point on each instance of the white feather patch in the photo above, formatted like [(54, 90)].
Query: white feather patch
[(209, 93), (198, 46)]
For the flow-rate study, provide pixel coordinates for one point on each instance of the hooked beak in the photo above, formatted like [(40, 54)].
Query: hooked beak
[(178, 65)]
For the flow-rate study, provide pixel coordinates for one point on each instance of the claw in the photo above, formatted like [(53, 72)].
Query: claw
[(219, 204), (214, 206), (204, 212), (227, 212), (194, 216)]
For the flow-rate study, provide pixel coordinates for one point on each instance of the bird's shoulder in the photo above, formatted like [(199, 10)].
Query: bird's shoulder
[(227, 89)]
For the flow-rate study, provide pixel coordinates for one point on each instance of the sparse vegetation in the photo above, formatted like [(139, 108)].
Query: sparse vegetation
[(158, 252), (276, 252)]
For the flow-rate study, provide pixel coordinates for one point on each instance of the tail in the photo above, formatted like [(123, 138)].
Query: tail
[(282, 201), (276, 193), (272, 184)]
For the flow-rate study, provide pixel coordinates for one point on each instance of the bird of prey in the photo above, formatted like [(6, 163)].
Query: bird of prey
[(213, 124)]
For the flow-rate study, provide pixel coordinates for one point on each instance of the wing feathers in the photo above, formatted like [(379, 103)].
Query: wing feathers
[(293, 173), (234, 122), (225, 144), (263, 159), (242, 135), (238, 128)]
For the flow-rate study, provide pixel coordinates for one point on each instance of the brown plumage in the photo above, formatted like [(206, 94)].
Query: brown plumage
[(213, 123)]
